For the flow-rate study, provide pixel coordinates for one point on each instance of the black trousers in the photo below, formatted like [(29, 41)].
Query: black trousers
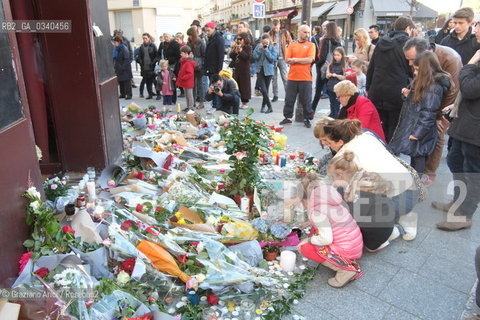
[(263, 85), (389, 120), (125, 88)]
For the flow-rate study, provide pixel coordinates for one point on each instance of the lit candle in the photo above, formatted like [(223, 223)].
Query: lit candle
[(179, 109), (91, 191), (287, 260)]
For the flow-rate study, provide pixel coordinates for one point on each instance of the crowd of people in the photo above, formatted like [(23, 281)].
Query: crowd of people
[(395, 94)]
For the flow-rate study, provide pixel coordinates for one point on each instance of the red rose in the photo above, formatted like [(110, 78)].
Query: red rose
[(158, 209), (139, 175), (183, 259), (68, 229), (212, 299), (139, 208), (194, 243), (42, 272), (128, 265), (127, 224)]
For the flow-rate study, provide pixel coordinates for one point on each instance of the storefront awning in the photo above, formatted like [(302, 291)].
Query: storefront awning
[(281, 14), (316, 12), (390, 8), (340, 9)]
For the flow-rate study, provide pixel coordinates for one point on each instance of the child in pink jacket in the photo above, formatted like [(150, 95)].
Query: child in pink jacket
[(335, 239)]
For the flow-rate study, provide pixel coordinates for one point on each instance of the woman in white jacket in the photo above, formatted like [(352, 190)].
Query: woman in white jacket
[(373, 156)]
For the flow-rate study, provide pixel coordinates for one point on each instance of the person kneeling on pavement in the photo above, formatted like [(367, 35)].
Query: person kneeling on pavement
[(225, 93)]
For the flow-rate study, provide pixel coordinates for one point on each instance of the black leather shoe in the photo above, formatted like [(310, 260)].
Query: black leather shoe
[(262, 110), (121, 97), (149, 97), (307, 123), (159, 97), (128, 97), (275, 99), (269, 110), (286, 121)]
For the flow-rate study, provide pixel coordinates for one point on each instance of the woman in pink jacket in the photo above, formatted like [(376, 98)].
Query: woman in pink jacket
[(335, 239)]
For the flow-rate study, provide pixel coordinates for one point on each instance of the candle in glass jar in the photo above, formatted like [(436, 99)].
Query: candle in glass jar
[(91, 191), (179, 109), (287, 260)]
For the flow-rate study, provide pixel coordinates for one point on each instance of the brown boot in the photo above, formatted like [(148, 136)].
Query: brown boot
[(454, 226), (341, 278), (442, 206)]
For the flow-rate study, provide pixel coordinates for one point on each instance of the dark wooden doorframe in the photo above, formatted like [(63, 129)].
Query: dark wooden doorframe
[(18, 166)]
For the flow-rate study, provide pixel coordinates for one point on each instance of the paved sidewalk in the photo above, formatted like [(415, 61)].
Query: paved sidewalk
[(430, 277)]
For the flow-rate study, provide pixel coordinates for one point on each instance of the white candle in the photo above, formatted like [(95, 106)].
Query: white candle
[(245, 204), (91, 191), (287, 260)]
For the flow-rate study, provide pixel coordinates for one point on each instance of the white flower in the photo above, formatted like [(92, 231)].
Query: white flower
[(171, 310), (180, 304), (35, 205), (123, 277), (302, 267), (295, 301), (286, 285), (32, 192), (200, 277), (200, 247)]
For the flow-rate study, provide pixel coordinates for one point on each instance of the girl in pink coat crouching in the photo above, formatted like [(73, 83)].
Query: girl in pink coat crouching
[(335, 239)]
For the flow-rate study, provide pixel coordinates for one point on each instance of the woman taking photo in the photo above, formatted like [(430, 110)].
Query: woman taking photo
[(328, 43), (265, 56), (241, 55), (372, 156), (445, 31), (416, 133), (198, 49)]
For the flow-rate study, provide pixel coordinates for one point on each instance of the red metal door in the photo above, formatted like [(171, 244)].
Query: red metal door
[(18, 160)]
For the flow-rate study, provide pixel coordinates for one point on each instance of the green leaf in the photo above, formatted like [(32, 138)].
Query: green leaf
[(28, 243)]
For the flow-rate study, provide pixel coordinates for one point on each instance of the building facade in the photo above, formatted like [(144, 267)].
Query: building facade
[(157, 16)]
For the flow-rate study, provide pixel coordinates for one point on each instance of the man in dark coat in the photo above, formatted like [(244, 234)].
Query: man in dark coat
[(388, 72), (123, 68), (225, 93), (215, 51), (147, 59), (463, 158), (461, 39)]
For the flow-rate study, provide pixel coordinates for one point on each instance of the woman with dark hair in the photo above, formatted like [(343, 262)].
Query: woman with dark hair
[(328, 43), (416, 133), (147, 59), (198, 49), (372, 156), (122, 67), (265, 55), (445, 31), (241, 55)]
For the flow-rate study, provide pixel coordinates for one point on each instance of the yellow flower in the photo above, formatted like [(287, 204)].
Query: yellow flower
[(259, 311), (182, 221), (178, 214)]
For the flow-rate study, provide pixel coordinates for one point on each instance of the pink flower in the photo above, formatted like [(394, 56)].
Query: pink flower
[(53, 186), (24, 260), (111, 183), (140, 115), (240, 155)]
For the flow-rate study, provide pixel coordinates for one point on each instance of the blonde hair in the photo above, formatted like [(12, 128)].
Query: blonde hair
[(362, 65), (345, 88), (364, 39), (163, 63), (318, 131), (345, 163)]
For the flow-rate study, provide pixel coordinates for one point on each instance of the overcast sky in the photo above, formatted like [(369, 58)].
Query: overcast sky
[(448, 5)]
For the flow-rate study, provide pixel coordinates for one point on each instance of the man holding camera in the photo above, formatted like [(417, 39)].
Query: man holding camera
[(225, 93)]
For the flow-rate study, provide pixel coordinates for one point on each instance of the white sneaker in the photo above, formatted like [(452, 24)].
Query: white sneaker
[(409, 223), (395, 234)]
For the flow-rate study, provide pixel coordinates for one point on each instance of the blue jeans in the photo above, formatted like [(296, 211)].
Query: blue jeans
[(404, 202), (463, 160), (334, 104)]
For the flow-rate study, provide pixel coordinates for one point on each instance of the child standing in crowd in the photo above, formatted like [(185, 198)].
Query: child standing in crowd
[(335, 74), (360, 68), (186, 75), (166, 84), (416, 133)]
